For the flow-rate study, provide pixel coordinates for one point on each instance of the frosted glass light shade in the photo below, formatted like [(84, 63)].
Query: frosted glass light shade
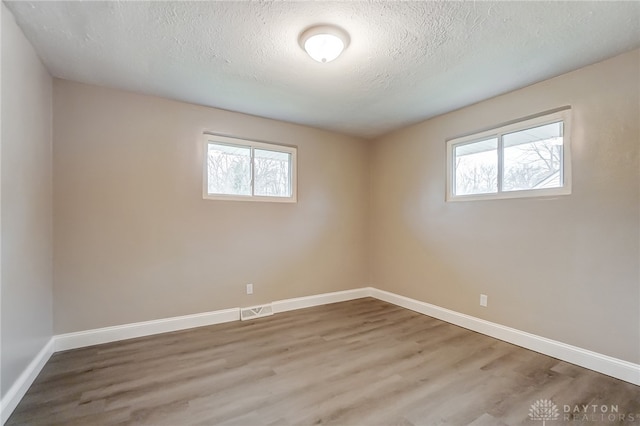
[(324, 47), (324, 43)]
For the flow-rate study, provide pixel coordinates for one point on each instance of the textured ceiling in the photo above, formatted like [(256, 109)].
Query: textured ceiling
[(407, 61)]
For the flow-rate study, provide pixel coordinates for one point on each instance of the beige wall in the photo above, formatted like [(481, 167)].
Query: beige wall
[(135, 241), (566, 268), (26, 266)]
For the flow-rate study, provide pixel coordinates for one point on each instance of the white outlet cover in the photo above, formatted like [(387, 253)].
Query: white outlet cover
[(249, 288), (483, 300)]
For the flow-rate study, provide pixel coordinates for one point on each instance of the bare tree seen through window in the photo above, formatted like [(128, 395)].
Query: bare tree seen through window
[(229, 169), (271, 173), (531, 159), (477, 167)]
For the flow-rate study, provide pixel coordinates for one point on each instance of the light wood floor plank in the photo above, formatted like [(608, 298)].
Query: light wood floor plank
[(362, 362)]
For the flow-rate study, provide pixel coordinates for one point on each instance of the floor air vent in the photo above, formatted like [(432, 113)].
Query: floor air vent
[(256, 312)]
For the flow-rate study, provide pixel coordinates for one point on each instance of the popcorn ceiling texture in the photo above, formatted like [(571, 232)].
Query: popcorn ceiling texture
[(407, 61)]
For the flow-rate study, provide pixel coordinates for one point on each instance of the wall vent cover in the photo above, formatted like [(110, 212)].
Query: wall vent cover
[(256, 312)]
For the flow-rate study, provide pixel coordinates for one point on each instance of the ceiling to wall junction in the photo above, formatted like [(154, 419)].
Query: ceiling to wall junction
[(407, 61)]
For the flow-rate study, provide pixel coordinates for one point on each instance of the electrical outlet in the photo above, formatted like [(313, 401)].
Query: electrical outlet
[(483, 300), (249, 288)]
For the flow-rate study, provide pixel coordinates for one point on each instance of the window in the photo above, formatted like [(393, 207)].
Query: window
[(528, 158), (237, 169)]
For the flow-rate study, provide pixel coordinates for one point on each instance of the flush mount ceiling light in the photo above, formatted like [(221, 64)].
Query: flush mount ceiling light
[(324, 43)]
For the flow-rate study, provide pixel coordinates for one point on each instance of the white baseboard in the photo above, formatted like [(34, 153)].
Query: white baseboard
[(319, 299), (97, 336), (610, 366), (614, 367), (21, 385)]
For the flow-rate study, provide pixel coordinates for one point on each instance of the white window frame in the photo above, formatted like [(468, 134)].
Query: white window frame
[(253, 145), (563, 115)]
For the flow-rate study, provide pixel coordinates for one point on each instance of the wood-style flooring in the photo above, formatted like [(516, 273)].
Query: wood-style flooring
[(362, 362)]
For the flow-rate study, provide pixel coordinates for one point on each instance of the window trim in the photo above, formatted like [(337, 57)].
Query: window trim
[(253, 145), (563, 115)]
